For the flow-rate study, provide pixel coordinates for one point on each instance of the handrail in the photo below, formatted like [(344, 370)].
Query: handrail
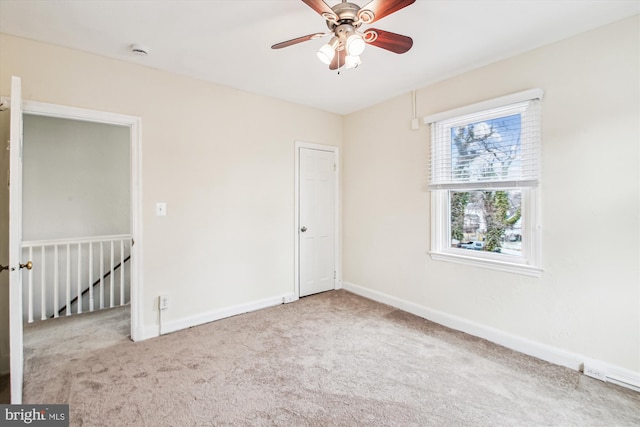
[(96, 283), (74, 240)]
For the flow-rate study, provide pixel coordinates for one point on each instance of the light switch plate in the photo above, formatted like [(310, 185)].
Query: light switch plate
[(161, 209)]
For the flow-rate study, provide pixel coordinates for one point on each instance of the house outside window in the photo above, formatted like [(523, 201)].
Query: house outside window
[(484, 179)]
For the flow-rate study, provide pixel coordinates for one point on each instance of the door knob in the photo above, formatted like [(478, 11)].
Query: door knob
[(28, 266), (303, 229)]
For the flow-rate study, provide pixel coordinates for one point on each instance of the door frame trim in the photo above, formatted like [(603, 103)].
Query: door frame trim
[(135, 139), (337, 209)]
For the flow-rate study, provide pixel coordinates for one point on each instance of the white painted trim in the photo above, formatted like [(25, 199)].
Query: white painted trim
[(337, 217), (491, 264), (73, 241), (136, 293), (135, 135), (16, 347), (615, 374), (74, 113), (513, 98), (211, 316)]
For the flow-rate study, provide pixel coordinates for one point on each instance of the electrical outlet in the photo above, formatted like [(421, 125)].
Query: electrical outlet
[(594, 372), (163, 302)]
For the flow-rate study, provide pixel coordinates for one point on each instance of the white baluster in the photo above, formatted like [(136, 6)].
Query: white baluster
[(111, 277), (121, 272), (30, 275), (101, 276), (90, 276), (68, 293), (79, 280), (56, 281), (43, 289)]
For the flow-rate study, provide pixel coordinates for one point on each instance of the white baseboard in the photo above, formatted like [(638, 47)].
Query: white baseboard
[(615, 374), (222, 313)]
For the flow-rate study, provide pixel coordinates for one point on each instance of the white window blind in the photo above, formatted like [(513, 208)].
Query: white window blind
[(494, 148)]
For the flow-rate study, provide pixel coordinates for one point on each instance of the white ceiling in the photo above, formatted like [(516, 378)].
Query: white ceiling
[(228, 41)]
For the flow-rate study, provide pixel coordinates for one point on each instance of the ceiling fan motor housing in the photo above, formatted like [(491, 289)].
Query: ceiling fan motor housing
[(347, 13), (343, 31)]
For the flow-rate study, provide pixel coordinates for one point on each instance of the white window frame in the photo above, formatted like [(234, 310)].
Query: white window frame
[(529, 262)]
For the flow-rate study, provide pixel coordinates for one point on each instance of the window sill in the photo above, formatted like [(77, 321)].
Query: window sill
[(509, 267)]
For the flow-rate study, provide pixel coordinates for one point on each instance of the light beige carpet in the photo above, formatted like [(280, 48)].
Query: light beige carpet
[(333, 359)]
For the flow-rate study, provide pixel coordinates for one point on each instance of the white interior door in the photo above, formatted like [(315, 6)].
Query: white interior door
[(15, 239), (316, 234)]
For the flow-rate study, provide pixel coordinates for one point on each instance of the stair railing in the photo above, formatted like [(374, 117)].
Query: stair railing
[(66, 270)]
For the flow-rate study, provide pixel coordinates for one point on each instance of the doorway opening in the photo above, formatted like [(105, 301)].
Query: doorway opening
[(122, 164), (76, 215)]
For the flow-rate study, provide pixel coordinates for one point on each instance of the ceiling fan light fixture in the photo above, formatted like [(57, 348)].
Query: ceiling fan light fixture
[(355, 45), (328, 51), (326, 54), (352, 61)]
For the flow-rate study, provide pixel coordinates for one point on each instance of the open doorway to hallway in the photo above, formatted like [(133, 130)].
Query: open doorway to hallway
[(76, 215)]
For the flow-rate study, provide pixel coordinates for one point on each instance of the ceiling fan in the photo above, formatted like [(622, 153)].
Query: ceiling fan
[(348, 42)]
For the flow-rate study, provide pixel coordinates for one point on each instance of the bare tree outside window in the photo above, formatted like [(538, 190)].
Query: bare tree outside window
[(485, 151)]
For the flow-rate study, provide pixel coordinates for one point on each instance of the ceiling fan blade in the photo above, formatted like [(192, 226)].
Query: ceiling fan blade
[(297, 40), (382, 8), (338, 59), (319, 6), (396, 43)]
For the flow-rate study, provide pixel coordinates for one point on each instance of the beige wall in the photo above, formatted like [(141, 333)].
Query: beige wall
[(587, 301), (222, 159), (75, 179)]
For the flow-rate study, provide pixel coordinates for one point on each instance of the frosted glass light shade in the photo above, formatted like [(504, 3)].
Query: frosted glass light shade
[(355, 45), (352, 61), (326, 53)]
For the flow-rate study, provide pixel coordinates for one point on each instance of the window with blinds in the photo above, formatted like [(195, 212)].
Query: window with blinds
[(489, 149), (484, 176)]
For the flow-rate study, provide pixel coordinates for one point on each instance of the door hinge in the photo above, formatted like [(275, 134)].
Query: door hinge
[(335, 275), (335, 167)]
